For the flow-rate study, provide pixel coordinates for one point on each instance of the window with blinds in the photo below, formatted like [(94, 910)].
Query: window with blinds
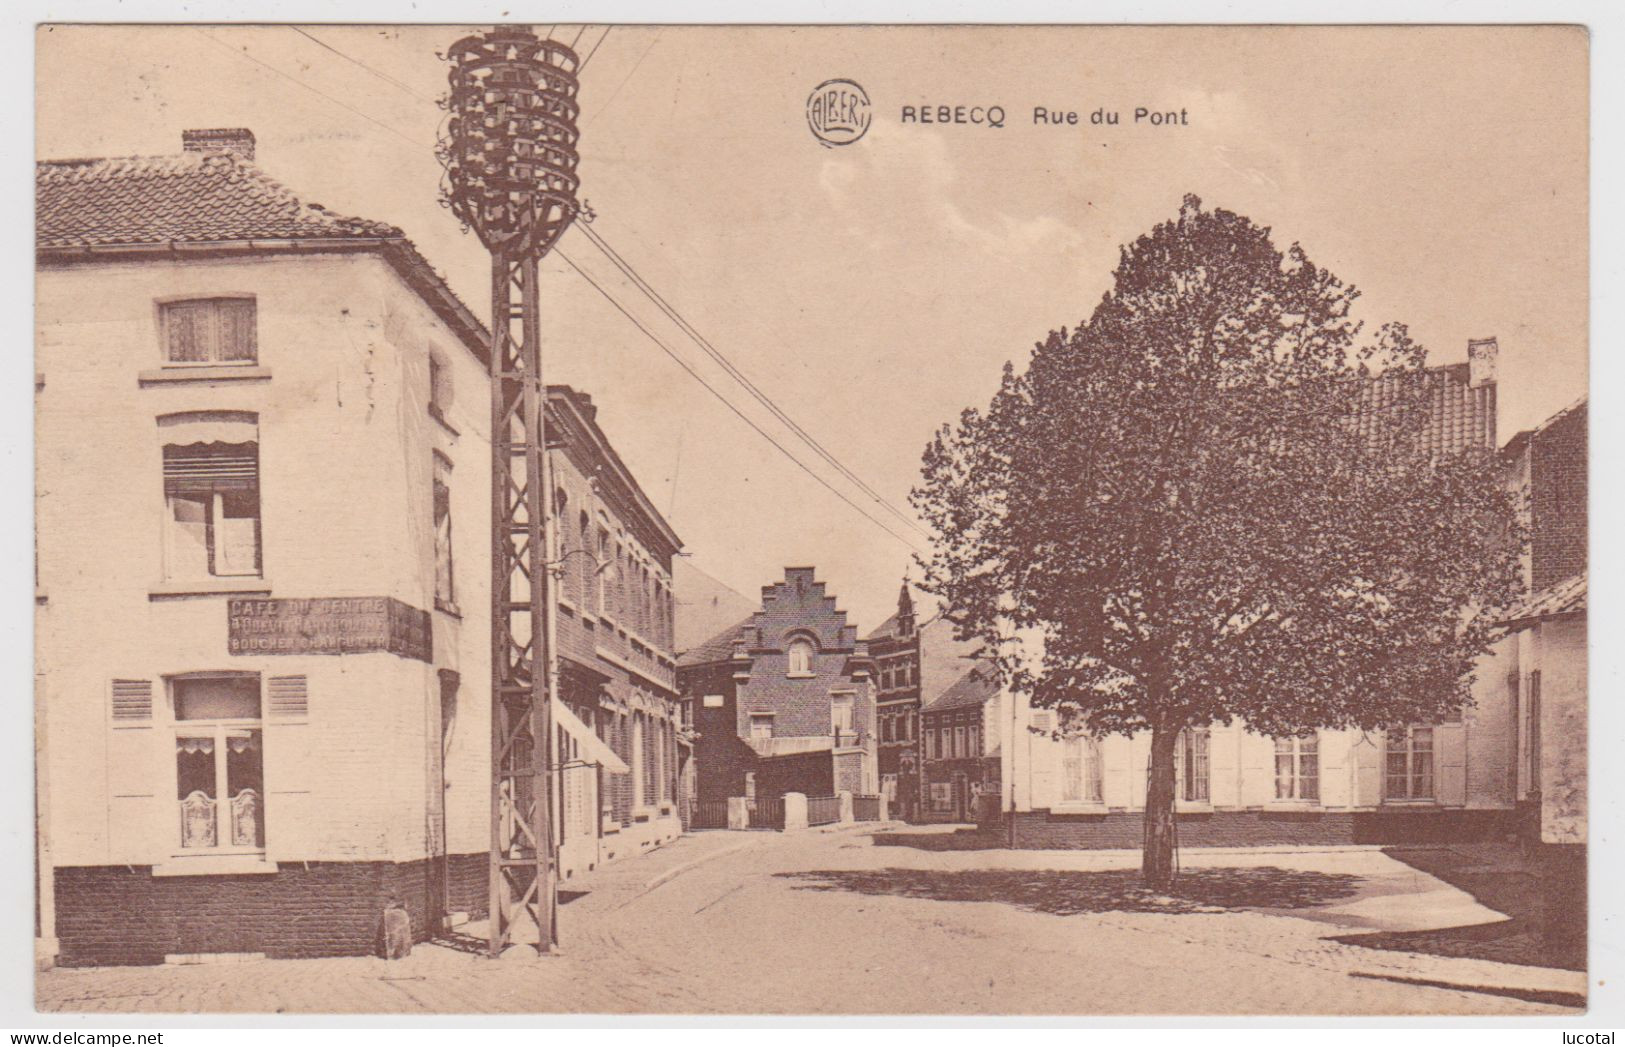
[(210, 331), (212, 492), (445, 593)]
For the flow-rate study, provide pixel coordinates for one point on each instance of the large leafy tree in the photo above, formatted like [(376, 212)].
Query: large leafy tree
[(1217, 498)]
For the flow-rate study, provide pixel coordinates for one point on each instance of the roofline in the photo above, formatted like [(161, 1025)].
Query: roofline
[(412, 267), (567, 395)]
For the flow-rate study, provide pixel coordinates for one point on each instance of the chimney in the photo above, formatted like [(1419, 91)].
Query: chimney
[(1481, 354), (238, 141)]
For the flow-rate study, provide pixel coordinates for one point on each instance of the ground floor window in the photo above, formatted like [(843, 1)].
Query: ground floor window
[(942, 796), (1081, 779), (1410, 764), (1297, 768), (219, 763), (1191, 765)]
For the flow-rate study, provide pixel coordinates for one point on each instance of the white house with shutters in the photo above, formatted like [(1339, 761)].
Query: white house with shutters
[(263, 518)]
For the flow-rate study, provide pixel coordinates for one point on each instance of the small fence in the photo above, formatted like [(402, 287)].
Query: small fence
[(708, 814), (866, 808), (823, 810), (766, 813)]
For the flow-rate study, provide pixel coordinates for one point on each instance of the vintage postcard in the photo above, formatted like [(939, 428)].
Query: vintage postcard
[(651, 519)]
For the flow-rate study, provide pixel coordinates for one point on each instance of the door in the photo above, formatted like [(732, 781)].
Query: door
[(439, 878)]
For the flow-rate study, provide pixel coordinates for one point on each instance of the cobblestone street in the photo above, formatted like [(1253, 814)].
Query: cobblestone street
[(908, 921)]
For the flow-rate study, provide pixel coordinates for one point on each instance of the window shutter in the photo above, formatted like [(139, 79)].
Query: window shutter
[(288, 698), (200, 469), (132, 702)]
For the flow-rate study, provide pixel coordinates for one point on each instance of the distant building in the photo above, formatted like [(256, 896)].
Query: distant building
[(263, 568), (960, 739), (1449, 780), (895, 647), (783, 701), (1545, 660)]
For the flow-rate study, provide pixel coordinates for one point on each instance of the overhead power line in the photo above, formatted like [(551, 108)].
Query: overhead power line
[(686, 366), (646, 289), (739, 376), (385, 77)]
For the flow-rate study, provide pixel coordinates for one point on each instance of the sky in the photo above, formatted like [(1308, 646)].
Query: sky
[(875, 290)]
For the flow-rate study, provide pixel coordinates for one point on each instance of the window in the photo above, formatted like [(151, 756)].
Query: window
[(1191, 765), (211, 494), (585, 563), (1410, 764), (605, 569), (1297, 768), (888, 729), (439, 387), (959, 742), (209, 331), (219, 767), (761, 725), (801, 652), (973, 738), (445, 593), (712, 701), (840, 714), (1081, 780)]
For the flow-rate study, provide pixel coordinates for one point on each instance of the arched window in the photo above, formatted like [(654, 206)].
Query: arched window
[(801, 652)]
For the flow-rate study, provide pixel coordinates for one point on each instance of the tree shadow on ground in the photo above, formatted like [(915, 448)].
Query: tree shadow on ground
[(1065, 893), (958, 840), (1506, 884)]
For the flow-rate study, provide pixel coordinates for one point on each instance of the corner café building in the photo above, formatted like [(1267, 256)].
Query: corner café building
[(262, 594)]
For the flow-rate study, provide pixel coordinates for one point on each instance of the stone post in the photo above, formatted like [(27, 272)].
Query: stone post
[(846, 808), (885, 812), (795, 812), (738, 813)]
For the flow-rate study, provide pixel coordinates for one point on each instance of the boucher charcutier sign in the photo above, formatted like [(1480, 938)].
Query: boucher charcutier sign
[(329, 625)]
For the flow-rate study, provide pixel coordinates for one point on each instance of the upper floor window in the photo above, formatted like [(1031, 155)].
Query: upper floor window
[(801, 652), (1297, 767), (209, 330), (840, 714), (445, 593), (1410, 764), (212, 494), (219, 768), (1081, 778), (761, 725)]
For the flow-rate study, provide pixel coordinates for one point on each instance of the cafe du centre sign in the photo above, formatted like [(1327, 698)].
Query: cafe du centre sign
[(329, 625)]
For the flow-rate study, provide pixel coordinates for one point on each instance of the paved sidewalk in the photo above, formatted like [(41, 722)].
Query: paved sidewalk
[(591, 973)]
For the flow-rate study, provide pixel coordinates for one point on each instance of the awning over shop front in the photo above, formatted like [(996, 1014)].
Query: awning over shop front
[(593, 749)]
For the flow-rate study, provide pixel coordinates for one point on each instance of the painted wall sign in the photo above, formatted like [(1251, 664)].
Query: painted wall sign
[(329, 625)]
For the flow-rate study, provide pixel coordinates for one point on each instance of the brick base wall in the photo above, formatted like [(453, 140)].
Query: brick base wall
[(110, 915), (1043, 830)]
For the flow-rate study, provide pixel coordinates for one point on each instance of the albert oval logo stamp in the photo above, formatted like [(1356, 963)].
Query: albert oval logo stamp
[(838, 112)]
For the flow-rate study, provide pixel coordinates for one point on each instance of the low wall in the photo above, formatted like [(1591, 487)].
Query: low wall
[(1045, 830)]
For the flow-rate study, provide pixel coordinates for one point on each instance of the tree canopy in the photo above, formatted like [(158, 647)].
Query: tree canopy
[(1216, 498)]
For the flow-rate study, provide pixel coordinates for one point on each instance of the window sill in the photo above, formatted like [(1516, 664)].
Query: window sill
[(1193, 807), (1418, 802), (1293, 805), (448, 607), (800, 676), (439, 416), (208, 587), (1079, 807), (210, 374), (216, 865)]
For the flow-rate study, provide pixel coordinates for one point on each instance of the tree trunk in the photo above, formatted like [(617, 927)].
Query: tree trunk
[(1157, 858)]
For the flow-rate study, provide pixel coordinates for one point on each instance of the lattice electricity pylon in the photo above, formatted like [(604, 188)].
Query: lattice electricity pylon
[(510, 158)]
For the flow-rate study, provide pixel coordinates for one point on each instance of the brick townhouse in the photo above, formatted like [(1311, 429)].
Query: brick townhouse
[(783, 701), (960, 736), (1452, 780), (262, 621)]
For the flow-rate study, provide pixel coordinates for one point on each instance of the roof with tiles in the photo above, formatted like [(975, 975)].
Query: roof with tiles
[(976, 687), (1565, 597), (193, 197), (718, 648), (1461, 410)]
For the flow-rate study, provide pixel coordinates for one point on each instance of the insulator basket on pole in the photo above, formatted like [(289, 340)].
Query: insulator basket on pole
[(510, 143), (510, 160)]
